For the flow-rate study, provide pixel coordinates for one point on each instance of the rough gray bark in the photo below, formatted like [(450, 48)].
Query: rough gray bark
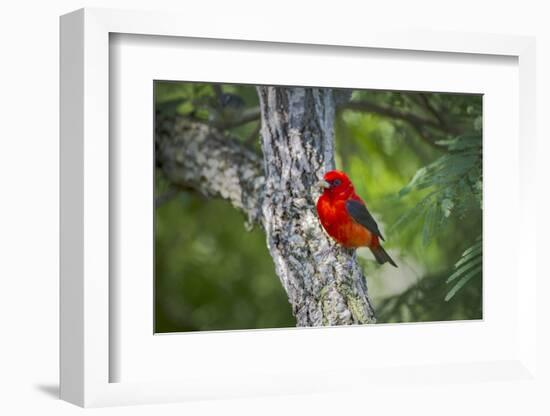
[(193, 155), (324, 283)]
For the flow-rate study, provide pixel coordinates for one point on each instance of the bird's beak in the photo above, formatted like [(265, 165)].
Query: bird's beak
[(323, 184)]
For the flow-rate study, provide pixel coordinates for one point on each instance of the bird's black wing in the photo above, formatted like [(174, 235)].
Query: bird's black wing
[(361, 215)]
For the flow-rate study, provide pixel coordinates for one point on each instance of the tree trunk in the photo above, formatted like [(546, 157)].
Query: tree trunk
[(324, 283)]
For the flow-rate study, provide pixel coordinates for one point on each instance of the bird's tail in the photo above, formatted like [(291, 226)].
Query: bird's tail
[(382, 256)]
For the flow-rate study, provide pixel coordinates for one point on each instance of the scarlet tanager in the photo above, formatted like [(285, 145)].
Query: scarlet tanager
[(345, 216)]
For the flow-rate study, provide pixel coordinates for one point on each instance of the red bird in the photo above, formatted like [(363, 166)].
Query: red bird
[(345, 216)]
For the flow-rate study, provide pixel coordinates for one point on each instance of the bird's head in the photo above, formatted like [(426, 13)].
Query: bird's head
[(336, 183)]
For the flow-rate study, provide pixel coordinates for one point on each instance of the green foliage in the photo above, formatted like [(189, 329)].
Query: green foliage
[(183, 98), (202, 102), (424, 302), (454, 182), (469, 266)]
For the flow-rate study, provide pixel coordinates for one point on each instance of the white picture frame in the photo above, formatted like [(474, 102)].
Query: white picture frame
[(86, 356)]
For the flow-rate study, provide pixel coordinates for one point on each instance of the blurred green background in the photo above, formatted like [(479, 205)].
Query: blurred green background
[(415, 158)]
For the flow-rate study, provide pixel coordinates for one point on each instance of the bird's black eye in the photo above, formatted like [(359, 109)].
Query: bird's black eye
[(336, 182)]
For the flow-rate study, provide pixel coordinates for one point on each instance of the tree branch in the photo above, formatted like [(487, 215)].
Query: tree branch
[(371, 107), (194, 155), (248, 115), (418, 123), (439, 115)]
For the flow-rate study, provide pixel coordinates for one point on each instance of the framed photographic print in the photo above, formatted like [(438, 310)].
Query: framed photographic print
[(264, 214)]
